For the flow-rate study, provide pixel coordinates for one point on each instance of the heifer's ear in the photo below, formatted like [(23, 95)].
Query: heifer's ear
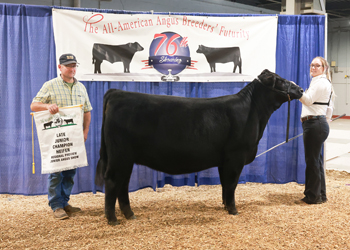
[(268, 78), (265, 74), (266, 71)]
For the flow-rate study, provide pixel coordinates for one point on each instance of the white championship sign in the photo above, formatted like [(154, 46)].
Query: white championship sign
[(61, 139)]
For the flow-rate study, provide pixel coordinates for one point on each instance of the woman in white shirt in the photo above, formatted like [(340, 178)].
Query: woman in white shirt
[(316, 113)]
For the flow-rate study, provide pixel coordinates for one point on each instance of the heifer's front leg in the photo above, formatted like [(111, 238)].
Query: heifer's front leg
[(230, 197), (222, 180), (232, 170), (126, 67), (212, 67)]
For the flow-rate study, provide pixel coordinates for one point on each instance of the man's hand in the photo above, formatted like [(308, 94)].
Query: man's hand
[(53, 108), (39, 106)]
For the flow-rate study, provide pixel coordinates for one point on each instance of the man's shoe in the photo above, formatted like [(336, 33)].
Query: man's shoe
[(60, 214), (70, 209)]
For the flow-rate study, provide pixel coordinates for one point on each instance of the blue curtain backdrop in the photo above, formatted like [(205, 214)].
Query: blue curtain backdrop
[(27, 60)]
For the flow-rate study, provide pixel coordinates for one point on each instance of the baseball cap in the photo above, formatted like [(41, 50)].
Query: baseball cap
[(66, 59)]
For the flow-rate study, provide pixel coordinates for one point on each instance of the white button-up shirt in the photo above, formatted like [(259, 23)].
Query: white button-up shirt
[(319, 91)]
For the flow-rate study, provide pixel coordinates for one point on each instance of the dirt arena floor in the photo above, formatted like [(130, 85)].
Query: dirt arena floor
[(186, 218)]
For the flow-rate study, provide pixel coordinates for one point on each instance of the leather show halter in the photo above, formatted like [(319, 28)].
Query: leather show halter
[(282, 92)]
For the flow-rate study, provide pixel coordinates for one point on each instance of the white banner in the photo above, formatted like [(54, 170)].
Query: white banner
[(146, 47), (61, 139)]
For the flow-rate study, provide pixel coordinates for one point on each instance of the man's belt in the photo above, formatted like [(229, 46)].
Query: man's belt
[(312, 117)]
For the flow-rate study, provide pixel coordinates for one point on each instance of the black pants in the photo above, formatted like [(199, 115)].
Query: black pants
[(315, 133)]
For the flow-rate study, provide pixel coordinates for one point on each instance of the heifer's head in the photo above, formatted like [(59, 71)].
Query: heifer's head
[(202, 49), (135, 46), (276, 83)]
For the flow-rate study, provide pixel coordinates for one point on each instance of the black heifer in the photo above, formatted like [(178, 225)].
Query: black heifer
[(114, 53), (69, 121), (48, 124), (222, 55), (178, 135)]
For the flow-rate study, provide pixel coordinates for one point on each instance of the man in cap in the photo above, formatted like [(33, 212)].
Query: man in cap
[(62, 91)]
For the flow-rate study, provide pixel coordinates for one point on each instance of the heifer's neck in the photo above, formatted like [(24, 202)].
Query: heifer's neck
[(264, 102)]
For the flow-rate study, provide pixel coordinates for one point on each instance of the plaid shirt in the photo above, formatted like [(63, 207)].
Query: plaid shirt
[(58, 92)]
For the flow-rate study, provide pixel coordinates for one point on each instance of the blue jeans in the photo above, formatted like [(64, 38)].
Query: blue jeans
[(315, 133), (60, 187)]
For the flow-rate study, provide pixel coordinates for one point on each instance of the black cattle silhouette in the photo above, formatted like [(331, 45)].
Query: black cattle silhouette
[(48, 124), (222, 55), (68, 121), (114, 53)]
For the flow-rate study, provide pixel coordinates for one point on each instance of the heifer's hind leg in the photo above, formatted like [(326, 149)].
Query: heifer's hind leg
[(111, 193), (118, 172), (237, 63), (97, 66), (123, 198), (234, 66)]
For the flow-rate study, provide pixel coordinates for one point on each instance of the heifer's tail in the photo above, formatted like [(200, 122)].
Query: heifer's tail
[(102, 162)]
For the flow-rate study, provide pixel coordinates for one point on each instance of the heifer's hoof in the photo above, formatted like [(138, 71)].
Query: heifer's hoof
[(232, 211), (133, 217), (113, 223), (130, 215)]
